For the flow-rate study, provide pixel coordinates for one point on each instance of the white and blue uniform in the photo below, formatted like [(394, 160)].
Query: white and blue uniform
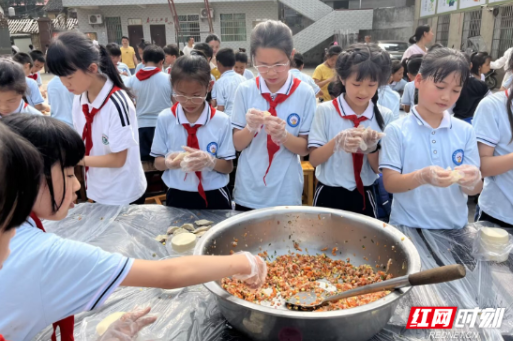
[(61, 101), (338, 170), (411, 144), (138, 67), (225, 88), (122, 67), (398, 86), (47, 278), (305, 78), (285, 177), (114, 130), (215, 137), (409, 94), (24, 108), (248, 74), (493, 129), (33, 94), (38, 79), (152, 96), (390, 99)]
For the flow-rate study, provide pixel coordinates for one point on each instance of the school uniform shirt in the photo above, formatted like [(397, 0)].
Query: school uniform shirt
[(492, 128), (33, 94), (47, 278), (24, 108), (411, 144), (152, 95), (305, 78), (322, 73), (338, 171), (214, 137), (398, 86), (390, 99), (114, 129), (224, 89), (38, 79), (139, 67), (61, 101), (409, 94), (122, 67), (285, 177), (248, 74)]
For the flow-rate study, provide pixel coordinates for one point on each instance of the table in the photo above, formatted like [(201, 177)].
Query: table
[(308, 187), (191, 314)]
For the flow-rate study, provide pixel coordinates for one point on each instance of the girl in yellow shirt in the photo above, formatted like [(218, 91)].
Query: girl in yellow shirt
[(324, 74)]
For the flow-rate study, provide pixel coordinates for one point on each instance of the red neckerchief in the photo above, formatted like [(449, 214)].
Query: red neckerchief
[(33, 76), (357, 158), (272, 148), (66, 325), (25, 105), (192, 142), (1, 338), (143, 75), (89, 117), (169, 70)]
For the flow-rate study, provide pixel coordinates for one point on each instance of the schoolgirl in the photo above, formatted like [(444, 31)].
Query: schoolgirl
[(13, 87), (104, 115), (408, 99), (62, 277), (215, 43), (345, 132), (398, 81), (429, 159), (241, 64), (324, 73), (269, 172), (493, 123), (198, 179)]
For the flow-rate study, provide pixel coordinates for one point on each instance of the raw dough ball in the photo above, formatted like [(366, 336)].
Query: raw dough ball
[(161, 238), (183, 242), (179, 231), (102, 327), (188, 227), (203, 222), (172, 229), (202, 229)]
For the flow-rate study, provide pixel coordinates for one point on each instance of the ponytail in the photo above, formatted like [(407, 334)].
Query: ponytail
[(509, 103), (419, 33), (412, 40), (108, 68), (377, 113)]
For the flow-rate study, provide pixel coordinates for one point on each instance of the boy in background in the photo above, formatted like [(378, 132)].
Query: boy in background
[(39, 61), (224, 89), (33, 95), (413, 67), (172, 53), (115, 56)]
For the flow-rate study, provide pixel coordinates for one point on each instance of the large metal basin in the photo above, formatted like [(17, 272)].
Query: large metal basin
[(274, 229)]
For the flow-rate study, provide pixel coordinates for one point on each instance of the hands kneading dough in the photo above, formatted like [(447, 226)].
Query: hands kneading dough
[(197, 161), (124, 326), (466, 176)]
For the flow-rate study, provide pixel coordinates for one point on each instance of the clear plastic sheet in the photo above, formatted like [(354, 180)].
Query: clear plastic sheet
[(191, 314)]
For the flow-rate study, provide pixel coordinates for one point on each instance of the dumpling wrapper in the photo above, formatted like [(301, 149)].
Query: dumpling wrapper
[(181, 156), (183, 242), (102, 327)]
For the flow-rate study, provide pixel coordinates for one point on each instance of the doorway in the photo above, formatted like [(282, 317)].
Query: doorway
[(158, 35), (135, 34)]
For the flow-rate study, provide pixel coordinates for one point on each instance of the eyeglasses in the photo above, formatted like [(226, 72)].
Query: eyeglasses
[(184, 99), (263, 69)]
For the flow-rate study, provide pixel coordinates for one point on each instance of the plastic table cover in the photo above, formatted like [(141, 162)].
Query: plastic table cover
[(191, 314)]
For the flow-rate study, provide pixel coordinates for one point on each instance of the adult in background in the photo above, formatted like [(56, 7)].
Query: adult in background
[(128, 54), (190, 46), (368, 39), (503, 62), (423, 36)]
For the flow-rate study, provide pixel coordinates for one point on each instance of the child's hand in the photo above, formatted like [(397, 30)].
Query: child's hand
[(370, 140), (277, 128), (256, 278), (173, 160), (128, 326), (197, 161), (254, 120), (348, 140), (471, 175), (435, 176)]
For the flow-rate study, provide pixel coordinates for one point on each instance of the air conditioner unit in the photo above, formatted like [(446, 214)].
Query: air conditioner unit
[(95, 19), (204, 13)]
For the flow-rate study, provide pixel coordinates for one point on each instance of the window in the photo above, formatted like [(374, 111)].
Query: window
[(114, 32), (189, 27), (471, 28), (233, 27), (503, 32), (423, 22), (442, 31)]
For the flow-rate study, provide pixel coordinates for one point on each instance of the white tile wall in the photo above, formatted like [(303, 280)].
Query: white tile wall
[(254, 10)]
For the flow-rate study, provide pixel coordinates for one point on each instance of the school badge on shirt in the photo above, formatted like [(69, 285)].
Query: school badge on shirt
[(105, 139), (457, 157), (212, 148), (293, 120)]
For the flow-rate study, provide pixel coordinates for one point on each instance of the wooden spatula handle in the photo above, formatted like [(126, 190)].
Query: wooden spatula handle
[(438, 275)]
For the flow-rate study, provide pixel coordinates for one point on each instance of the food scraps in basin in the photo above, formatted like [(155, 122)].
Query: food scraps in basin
[(289, 274)]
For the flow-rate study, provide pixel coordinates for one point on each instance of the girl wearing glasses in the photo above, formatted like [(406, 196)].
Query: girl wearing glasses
[(104, 116), (193, 142), (271, 118)]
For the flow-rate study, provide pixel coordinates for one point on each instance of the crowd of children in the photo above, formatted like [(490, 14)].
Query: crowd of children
[(194, 115)]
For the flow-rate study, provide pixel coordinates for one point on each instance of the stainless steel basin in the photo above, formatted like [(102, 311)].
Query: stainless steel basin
[(364, 240)]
